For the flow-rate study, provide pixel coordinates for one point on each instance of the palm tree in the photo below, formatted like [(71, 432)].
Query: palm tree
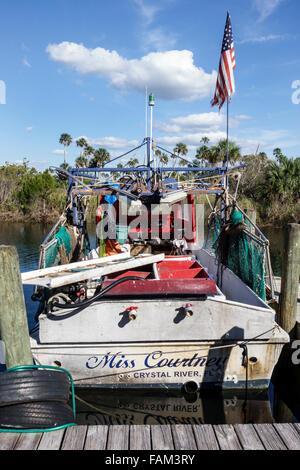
[(203, 152), (164, 159), (81, 162), (82, 143), (88, 152), (180, 150), (101, 156), (65, 140), (132, 163), (234, 152)]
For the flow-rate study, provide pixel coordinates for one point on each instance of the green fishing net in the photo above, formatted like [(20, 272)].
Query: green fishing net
[(243, 254), (51, 255)]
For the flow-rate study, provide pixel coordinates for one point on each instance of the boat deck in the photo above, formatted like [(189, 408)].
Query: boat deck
[(155, 437)]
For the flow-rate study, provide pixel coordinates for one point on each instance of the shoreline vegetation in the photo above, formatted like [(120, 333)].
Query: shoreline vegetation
[(271, 187)]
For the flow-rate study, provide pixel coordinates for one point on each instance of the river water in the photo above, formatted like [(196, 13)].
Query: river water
[(159, 408)]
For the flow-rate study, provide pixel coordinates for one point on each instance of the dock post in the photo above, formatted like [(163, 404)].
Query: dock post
[(13, 318), (290, 279)]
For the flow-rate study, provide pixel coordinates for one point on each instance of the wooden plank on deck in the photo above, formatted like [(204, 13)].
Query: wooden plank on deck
[(227, 437), (140, 437), (205, 437), (269, 437), (74, 438), (289, 435), (183, 436), (96, 438), (248, 437), (51, 440), (28, 441), (118, 437), (8, 440), (162, 437)]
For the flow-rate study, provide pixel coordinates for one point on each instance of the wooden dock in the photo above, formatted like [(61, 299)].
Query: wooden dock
[(275, 436), (277, 293)]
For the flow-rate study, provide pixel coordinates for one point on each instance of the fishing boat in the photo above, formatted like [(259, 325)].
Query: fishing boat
[(146, 301)]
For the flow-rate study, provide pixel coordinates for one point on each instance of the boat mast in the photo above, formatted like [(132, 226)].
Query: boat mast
[(151, 104)]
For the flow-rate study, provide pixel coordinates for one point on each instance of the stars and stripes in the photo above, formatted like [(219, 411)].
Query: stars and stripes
[(225, 82)]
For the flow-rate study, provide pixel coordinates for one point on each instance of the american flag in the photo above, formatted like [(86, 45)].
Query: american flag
[(225, 83)]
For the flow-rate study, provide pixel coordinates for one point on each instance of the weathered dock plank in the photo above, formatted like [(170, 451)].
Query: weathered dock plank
[(183, 437), (269, 437), (248, 437), (51, 440), (278, 436), (96, 438), (28, 441), (205, 437), (74, 438), (289, 435), (227, 437), (118, 437), (140, 437), (162, 437), (8, 440)]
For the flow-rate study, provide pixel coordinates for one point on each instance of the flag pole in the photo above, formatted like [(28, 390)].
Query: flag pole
[(227, 148), (227, 165)]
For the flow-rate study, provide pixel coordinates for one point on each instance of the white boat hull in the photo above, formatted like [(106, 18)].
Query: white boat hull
[(229, 339), (166, 365)]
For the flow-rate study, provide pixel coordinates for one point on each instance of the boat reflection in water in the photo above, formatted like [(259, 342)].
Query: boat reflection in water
[(115, 407)]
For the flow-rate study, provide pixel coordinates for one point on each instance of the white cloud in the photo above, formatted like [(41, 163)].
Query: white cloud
[(26, 63), (211, 125), (147, 10), (193, 122), (170, 75), (158, 39), (58, 152), (154, 37), (111, 143), (192, 140), (29, 129), (265, 8), (262, 39)]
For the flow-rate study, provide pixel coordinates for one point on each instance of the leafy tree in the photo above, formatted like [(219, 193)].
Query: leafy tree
[(36, 185), (64, 166)]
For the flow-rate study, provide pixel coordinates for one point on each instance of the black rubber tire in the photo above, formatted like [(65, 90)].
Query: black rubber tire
[(39, 415), (33, 385)]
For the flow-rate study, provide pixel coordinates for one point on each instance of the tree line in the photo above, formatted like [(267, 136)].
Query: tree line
[(271, 185)]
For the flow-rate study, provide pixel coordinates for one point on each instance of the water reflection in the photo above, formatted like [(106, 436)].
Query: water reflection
[(137, 407)]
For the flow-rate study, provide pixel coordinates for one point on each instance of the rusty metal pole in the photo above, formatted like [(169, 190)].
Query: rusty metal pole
[(13, 318)]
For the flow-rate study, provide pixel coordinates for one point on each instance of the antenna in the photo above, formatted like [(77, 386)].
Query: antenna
[(146, 121), (151, 104)]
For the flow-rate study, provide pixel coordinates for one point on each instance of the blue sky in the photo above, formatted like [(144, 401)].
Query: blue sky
[(82, 67)]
